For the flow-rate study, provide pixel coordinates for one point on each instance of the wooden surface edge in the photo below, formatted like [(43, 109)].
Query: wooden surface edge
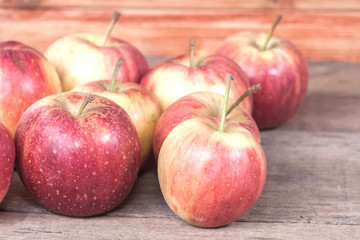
[(58, 227)]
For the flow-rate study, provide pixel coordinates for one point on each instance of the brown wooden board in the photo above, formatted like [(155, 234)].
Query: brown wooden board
[(320, 35), (316, 5)]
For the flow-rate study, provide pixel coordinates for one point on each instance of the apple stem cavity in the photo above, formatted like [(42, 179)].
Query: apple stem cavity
[(192, 50), (110, 27), (228, 79), (275, 23), (249, 91), (87, 100), (119, 63)]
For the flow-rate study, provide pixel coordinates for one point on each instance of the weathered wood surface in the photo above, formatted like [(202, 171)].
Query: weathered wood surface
[(312, 189), (322, 30)]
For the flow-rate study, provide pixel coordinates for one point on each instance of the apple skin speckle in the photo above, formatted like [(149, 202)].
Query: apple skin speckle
[(141, 105), (211, 183), (25, 76), (196, 105), (7, 160), (79, 177), (94, 61), (283, 75), (174, 78)]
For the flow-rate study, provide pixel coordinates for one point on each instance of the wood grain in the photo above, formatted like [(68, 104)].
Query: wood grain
[(317, 5), (17, 226), (332, 101), (311, 177), (329, 35)]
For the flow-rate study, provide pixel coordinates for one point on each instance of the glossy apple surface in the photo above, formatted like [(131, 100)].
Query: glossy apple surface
[(211, 178), (81, 58), (25, 77), (139, 103), (77, 164), (280, 69), (7, 160), (175, 78), (200, 104)]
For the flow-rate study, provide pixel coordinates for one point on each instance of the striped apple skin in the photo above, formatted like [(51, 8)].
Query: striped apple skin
[(199, 104), (80, 58), (25, 77), (174, 78), (141, 105), (77, 165), (7, 160), (281, 70), (211, 178)]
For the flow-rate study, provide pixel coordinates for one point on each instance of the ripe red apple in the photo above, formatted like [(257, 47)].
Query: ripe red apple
[(199, 104), (139, 103), (196, 71), (77, 154), (83, 57), (278, 66), (7, 160), (211, 171), (25, 76)]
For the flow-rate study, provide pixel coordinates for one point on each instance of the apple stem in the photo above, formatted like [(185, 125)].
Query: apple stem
[(119, 63), (249, 91), (192, 50), (111, 26), (275, 23), (87, 100), (228, 79)]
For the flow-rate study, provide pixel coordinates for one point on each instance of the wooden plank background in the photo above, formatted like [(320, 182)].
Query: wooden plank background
[(322, 29), (188, 4)]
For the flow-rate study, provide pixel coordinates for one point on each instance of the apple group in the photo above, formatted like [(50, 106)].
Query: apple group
[(87, 116)]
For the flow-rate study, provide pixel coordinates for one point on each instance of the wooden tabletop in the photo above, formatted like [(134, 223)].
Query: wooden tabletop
[(312, 189)]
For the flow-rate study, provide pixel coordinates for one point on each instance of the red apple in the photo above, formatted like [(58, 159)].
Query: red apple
[(211, 171), (196, 71), (139, 103), (278, 66), (7, 160), (84, 57), (77, 154), (199, 104), (25, 76)]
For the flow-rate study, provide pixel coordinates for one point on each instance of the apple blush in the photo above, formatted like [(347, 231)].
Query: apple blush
[(201, 104), (192, 72), (7, 159), (25, 77), (84, 57), (77, 154), (211, 171), (278, 66), (141, 105)]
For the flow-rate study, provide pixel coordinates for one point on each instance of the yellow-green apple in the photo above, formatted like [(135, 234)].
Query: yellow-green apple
[(83, 57), (25, 76), (142, 107), (278, 66), (200, 104), (7, 159), (211, 171), (196, 71), (77, 154)]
